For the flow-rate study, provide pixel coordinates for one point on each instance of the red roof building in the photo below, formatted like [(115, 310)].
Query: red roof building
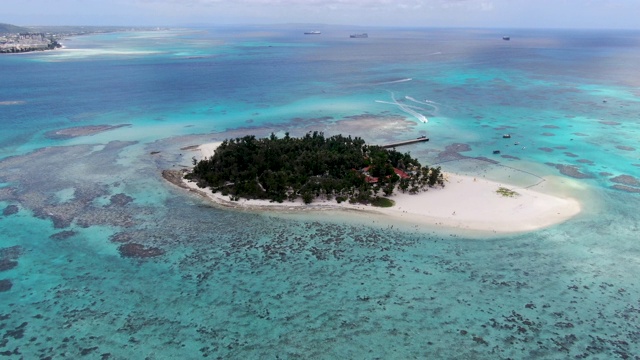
[(373, 180)]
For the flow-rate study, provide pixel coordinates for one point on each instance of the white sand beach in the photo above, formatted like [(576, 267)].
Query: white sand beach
[(465, 203), (207, 150)]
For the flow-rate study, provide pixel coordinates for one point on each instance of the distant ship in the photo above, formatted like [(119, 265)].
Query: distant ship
[(506, 38), (359, 36), (315, 32)]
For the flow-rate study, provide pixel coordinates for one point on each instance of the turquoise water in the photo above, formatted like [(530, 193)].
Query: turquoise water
[(233, 284)]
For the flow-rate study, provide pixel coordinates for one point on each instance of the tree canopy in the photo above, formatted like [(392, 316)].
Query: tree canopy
[(10, 29), (309, 167)]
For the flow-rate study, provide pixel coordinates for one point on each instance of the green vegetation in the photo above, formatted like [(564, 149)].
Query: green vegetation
[(11, 29), (382, 202), (506, 192), (311, 167)]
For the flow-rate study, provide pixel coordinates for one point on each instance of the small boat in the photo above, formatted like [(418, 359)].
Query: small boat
[(315, 32), (496, 152), (506, 38), (506, 136), (359, 36)]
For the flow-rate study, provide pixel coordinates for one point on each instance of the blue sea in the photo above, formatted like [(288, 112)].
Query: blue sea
[(101, 258)]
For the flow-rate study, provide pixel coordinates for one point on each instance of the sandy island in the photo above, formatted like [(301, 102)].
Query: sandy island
[(466, 203)]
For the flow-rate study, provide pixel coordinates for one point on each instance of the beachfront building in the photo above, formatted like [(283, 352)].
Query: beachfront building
[(373, 180)]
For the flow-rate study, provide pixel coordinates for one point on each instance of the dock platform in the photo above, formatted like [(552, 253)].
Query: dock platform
[(408, 142)]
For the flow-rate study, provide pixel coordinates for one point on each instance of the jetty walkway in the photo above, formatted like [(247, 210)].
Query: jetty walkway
[(401, 143)]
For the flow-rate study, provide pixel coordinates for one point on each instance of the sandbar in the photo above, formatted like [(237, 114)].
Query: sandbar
[(78, 131), (16, 102), (465, 203)]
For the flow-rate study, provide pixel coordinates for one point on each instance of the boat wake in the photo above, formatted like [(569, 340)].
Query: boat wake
[(406, 108), (430, 103), (397, 104), (394, 81)]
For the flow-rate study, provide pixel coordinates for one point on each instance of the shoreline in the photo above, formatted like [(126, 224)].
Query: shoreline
[(466, 204)]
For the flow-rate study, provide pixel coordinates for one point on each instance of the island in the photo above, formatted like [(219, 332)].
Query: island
[(311, 167), (457, 204)]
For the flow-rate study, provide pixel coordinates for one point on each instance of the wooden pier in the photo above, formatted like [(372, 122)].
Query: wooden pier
[(402, 143)]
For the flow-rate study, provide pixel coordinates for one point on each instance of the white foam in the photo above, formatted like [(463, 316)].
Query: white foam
[(425, 102), (406, 108), (394, 81)]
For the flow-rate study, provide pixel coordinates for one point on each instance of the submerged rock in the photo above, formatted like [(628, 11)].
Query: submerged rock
[(63, 235), (625, 188), (7, 264), (134, 250), (510, 157), (609, 122), (458, 147), (626, 180), (5, 285), (120, 199), (8, 257), (121, 237), (12, 252), (571, 170), (10, 210), (452, 152), (77, 131), (486, 159)]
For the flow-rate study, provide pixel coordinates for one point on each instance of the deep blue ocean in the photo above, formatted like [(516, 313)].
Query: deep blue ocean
[(87, 130)]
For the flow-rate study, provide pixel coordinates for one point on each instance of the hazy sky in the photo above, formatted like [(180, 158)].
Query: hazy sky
[(428, 13)]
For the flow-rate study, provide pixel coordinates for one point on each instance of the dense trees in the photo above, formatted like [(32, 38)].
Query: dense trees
[(310, 167)]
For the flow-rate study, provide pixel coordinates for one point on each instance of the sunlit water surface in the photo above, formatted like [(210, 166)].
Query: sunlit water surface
[(222, 283)]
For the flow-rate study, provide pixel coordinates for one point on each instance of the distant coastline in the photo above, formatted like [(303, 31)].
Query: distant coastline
[(28, 42), (16, 39)]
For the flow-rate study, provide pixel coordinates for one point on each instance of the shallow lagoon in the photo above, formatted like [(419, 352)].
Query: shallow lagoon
[(234, 284)]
